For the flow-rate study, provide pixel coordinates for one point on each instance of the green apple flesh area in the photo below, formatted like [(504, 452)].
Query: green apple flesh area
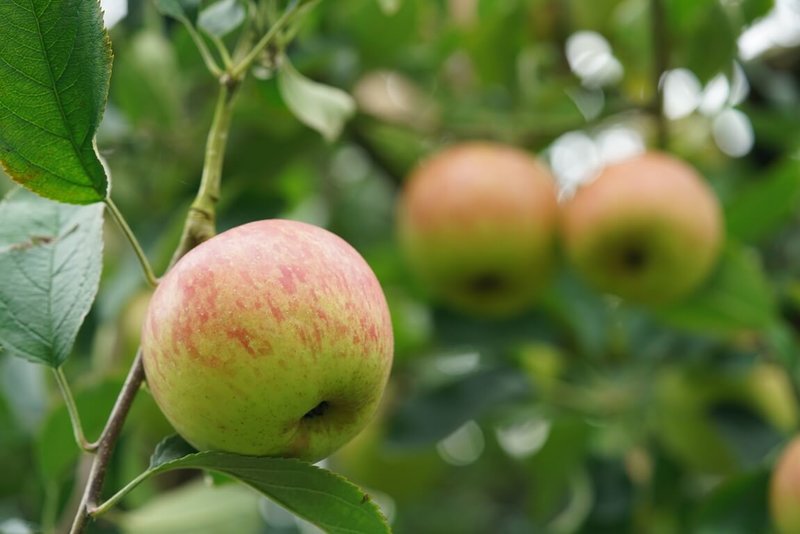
[(647, 229), (477, 223), (785, 490), (270, 339)]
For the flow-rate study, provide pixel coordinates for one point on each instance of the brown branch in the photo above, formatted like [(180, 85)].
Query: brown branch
[(199, 226), (106, 443)]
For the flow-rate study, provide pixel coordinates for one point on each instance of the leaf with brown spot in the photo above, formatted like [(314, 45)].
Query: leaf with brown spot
[(50, 260)]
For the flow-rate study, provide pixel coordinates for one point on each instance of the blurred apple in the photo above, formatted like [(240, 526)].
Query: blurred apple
[(477, 223), (784, 491), (648, 229)]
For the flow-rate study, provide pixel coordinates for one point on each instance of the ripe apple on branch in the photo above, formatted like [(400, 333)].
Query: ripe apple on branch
[(270, 339)]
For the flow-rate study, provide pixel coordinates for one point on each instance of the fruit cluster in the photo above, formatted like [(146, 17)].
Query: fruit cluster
[(274, 338), (479, 224)]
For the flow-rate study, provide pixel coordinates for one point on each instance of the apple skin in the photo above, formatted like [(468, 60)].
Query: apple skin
[(648, 229), (270, 339), (477, 223), (784, 490)]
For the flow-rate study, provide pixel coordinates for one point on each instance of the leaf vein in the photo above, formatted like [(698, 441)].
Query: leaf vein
[(24, 326), (32, 123)]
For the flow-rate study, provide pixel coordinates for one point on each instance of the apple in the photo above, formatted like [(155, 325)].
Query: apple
[(270, 339), (784, 490), (648, 229), (477, 224)]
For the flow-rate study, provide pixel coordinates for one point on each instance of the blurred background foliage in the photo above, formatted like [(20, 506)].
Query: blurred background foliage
[(584, 414)]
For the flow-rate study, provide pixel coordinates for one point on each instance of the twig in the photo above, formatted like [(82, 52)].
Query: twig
[(151, 277), (201, 221), (106, 443), (223, 51), (112, 501), (199, 226), (660, 66), (205, 53), (72, 410), (240, 68)]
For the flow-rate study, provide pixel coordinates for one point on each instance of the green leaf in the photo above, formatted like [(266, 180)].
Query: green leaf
[(712, 46), (754, 9), (762, 208), (170, 449), (737, 506), (782, 344), (221, 18), (562, 455), (738, 296), (750, 437), (321, 107), (703, 36), (318, 496), (433, 414), (55, 65), (51, 258), (581, 312), (178, 9), (681, 14)]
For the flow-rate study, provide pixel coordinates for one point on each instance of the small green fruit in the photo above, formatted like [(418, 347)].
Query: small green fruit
[(647, 229), (271, 339), (477, 223)]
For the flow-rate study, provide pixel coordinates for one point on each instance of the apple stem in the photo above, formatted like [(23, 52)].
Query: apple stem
[(660, 66)]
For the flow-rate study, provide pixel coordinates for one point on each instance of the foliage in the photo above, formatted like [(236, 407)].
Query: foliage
[(582, 414)]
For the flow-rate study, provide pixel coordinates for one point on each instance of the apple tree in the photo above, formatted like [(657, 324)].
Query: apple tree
[(569, 229)]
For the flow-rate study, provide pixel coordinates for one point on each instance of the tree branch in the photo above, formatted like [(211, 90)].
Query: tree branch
[(200, 223), (108, 439), (660, 66), (240, 68), (200, 226)]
